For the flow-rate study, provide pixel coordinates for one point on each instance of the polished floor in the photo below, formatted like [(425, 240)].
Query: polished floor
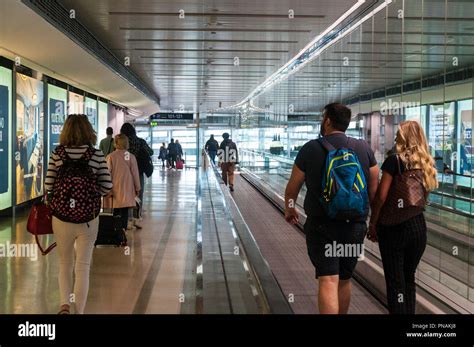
[(154, 275)]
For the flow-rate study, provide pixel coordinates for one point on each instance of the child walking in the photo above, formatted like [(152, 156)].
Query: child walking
[(125, 178)]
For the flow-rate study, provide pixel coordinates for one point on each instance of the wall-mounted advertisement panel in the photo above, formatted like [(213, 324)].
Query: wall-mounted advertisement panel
[(91, 112), (5, 136), (76, 103), (29, 138), (441, 134), (57, 101), (103, 119)]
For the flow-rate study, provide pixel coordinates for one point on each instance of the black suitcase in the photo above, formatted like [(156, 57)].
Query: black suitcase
[(110, 231)]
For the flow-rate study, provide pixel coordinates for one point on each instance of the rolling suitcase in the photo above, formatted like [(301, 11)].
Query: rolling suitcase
[(110, 230), (179, 165)]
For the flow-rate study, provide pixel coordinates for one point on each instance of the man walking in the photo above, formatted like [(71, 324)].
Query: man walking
[(172, 154), (228, 157), (335, 216), (211, 147), (107, 144)]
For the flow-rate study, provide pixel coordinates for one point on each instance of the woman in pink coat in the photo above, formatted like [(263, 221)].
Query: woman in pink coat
[(125, 178)]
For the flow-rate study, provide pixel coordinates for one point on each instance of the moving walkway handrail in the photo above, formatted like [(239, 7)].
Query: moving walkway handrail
[(269, 155)]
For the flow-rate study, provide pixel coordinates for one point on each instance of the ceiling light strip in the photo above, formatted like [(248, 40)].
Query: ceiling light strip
[(314, 49)]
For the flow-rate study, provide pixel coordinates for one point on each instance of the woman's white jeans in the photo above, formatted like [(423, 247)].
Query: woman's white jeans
[(83, 237)]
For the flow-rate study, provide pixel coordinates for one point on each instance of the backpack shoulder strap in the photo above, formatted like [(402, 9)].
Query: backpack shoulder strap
[(62, 153), (326, 145), (88, 154)]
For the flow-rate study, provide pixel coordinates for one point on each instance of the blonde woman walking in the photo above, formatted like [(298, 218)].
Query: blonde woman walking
[(397, 220)]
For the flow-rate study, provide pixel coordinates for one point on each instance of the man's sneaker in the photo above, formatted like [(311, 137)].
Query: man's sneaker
[(231, 187), (138, 223)]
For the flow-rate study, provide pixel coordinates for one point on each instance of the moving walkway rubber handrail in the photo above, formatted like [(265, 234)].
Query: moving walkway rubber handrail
[(452, 196)]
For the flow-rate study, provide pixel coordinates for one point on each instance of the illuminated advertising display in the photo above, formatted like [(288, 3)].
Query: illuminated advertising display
[(91, 112), (57, 99), (76, 103), (103, 118), (29, 138), (5, 136)]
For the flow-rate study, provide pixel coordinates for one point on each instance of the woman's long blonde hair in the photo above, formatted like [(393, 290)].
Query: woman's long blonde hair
[(412, 147), (77, 131)]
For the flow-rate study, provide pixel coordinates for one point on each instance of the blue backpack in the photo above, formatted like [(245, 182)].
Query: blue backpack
[(344, 189)]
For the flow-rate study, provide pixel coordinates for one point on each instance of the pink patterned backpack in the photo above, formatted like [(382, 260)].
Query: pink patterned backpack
[(76, 193)]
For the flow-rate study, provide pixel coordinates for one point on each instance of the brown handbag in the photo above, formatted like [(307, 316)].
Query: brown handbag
[(406, 197)]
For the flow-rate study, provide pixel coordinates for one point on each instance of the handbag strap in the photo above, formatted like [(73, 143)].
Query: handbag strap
[(47, 250), (398, 164)]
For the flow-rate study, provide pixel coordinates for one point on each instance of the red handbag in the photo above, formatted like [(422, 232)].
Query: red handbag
[(40, 222)]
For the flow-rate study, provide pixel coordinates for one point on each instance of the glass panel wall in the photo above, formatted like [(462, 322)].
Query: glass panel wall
[(411, 61)]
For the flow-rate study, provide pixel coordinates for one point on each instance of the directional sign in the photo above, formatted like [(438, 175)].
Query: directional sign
[(172, 116)]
